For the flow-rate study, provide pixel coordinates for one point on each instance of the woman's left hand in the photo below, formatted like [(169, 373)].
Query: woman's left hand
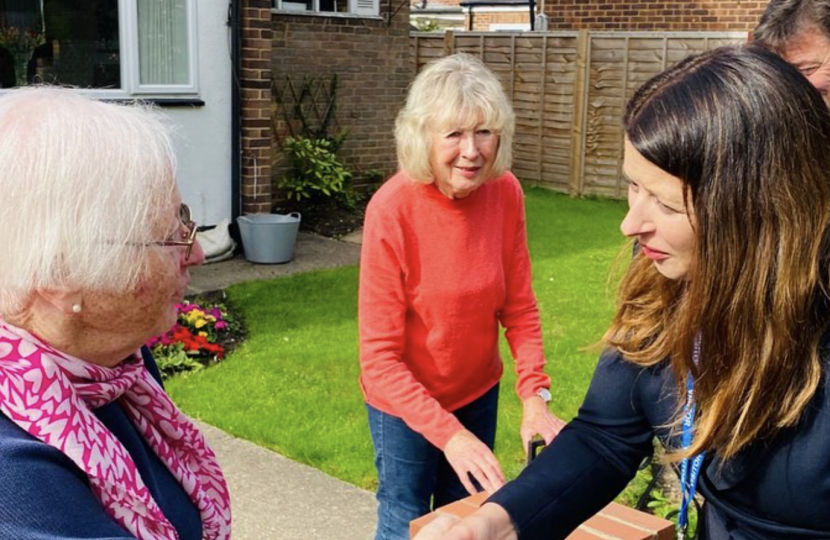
[(538, 420), (490, 522)]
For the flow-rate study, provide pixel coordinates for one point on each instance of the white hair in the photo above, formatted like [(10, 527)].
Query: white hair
[(82, 182)]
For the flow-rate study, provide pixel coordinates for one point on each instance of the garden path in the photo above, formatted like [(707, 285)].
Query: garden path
[(310, 253), (273, 497)]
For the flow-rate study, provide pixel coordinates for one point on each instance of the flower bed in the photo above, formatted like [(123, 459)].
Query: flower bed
[(205, 332)]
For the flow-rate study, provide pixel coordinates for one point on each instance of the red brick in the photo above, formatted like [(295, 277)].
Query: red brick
[(639, 519), (614, 522)]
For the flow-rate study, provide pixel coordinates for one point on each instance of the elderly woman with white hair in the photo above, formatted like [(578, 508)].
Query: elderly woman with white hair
[(96, 246), (444, 262)]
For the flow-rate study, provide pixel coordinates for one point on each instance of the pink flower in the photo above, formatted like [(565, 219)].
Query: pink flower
[(196, 332)]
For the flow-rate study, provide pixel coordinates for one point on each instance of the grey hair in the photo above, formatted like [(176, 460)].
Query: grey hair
[(456, 91), (83, 182), (785, 20)]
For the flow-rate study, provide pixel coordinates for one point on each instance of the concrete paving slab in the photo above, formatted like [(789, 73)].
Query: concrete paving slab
[(311, 253), (273, 497)]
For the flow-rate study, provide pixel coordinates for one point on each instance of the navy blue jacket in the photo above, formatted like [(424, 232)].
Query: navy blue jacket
[(44, 496), (775, 490)]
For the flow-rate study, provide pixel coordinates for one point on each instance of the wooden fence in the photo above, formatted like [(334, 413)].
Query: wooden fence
[(569, 90)]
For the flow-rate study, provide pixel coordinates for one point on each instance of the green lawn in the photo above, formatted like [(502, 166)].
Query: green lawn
[(293, 385)]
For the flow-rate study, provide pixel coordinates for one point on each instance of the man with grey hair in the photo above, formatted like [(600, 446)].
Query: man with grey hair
[(799, 31)]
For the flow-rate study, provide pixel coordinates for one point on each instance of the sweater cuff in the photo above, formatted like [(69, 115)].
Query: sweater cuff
[(440, 437), (531, 384)]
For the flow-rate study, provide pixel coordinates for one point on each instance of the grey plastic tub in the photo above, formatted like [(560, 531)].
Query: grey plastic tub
[(269, 238)]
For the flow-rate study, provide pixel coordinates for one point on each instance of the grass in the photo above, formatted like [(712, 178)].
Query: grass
[(293, 385)]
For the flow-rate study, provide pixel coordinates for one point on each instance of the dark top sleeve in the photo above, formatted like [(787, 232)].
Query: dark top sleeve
[(591, 460), (44, 496)]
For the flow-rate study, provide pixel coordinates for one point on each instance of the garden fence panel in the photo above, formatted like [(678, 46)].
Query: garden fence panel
[(569, 90)]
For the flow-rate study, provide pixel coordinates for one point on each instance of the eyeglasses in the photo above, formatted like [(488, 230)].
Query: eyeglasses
[(188, 236), (810, 69)]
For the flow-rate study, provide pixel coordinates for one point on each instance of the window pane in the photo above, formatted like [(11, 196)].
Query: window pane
[(337, 6), (162, 42), (297, 5), (72, 42)]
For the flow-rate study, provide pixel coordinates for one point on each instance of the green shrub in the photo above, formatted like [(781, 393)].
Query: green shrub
[(174, 359), (317, 172), (427, 25)]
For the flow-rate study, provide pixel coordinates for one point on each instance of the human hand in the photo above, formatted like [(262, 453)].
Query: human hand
[(538, 420), (467, 455), (490, 522), (439, 529)]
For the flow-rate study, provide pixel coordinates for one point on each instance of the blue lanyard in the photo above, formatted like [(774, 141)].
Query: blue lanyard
[(688, 474)]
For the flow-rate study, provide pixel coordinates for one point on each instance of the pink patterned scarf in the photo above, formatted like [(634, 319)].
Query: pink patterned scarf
[(51, 396)]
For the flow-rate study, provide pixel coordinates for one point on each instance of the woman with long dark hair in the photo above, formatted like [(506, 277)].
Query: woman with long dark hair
[(719, 345)]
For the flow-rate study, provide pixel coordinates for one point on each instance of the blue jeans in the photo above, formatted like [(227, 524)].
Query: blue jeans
[(411, 471)]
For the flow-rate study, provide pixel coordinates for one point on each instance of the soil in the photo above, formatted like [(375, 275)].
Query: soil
[(327, 217)]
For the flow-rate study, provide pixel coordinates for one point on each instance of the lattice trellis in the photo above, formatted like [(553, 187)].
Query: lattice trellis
[(307, 109)]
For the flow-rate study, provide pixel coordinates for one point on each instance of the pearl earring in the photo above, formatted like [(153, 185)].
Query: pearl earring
[(76, 308)]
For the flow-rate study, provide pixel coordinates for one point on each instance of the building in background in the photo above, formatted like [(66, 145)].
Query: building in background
[(660, 15), (159, 51), (477, 15), (229, 73)]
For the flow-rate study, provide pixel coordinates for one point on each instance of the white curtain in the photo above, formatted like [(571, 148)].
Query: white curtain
[(162, 41)]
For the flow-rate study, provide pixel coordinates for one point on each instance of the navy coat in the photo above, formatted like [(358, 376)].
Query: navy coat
[(45, 496), (775, 490)]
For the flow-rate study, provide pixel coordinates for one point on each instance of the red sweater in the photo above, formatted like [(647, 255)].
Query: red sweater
[(437, 276)]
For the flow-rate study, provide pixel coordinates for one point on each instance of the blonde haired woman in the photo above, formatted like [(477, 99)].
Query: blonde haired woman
[(444, 263)]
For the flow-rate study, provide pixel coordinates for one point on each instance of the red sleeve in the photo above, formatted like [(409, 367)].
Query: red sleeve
[(382, 309), (520, 316)]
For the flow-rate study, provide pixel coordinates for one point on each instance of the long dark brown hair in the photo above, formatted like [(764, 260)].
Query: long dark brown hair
[(750, 139)]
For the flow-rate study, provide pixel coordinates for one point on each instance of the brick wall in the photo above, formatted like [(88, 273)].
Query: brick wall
[(370, 57), (255, 96), (483, 19), (738, 15)]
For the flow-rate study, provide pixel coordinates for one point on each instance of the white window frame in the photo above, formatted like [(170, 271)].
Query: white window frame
[(130, 74), (357, 8), (130, 66)]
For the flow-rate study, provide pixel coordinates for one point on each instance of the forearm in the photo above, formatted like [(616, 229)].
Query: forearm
[(524, 335), (567, 484), (523, 328), (589, 462)]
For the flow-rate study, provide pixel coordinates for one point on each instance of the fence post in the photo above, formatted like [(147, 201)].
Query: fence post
[(449, 42), (575, 181), (416, 52), (542, 113)]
